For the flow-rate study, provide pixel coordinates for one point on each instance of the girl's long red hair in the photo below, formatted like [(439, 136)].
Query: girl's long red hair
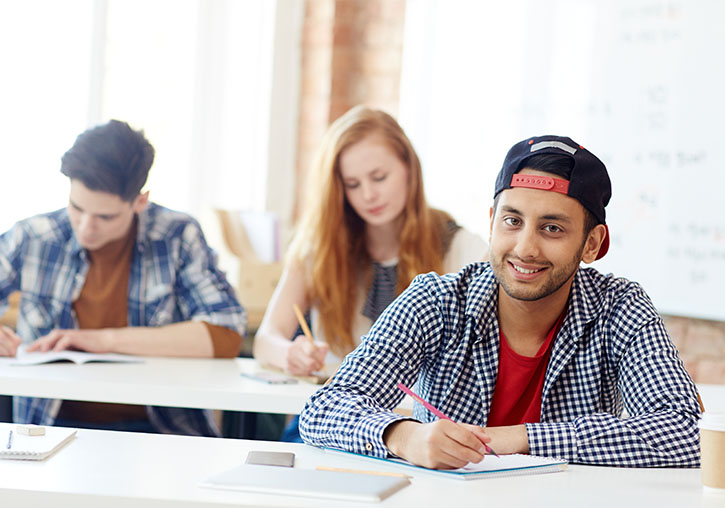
[(330, 239)]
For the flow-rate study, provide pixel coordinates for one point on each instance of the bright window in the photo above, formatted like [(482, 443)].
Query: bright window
[(480, 75), (46, 59), (195, 75)]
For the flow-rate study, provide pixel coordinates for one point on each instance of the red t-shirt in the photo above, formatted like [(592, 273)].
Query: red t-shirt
[(517, 396)]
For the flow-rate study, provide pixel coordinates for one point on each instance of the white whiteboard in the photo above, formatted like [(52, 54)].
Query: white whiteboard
[(639, 83)]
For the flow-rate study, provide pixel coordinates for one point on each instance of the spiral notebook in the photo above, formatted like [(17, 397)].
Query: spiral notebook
[(490, 467), (24, 447)]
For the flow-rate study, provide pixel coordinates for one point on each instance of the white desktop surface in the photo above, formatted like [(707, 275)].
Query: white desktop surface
[(175, 382), (116, 469)]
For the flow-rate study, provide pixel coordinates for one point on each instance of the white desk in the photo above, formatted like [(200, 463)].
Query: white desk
[(116, 469), (174, 382)]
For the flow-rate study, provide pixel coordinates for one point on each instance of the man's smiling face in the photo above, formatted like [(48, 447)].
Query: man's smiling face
[(537, 241)]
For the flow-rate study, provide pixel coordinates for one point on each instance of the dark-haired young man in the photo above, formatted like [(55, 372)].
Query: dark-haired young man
[(115, 273), (529, 353)]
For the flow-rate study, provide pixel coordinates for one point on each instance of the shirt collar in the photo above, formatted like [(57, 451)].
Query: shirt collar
[(584, 303), (71, 244), (75, 248), (482, 293), (143, 227)]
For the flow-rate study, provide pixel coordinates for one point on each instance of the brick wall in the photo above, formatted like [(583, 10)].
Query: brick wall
[(351, 54), (702, 347), (367, 54)]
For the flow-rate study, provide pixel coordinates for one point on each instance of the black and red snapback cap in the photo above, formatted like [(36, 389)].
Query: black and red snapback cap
[(587, 181)]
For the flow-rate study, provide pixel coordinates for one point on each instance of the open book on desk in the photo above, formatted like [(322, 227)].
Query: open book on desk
[(490, 467), (78, 357), (24, 447)]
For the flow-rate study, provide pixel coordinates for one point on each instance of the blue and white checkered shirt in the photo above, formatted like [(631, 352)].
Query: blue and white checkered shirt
[(612, 353), (173, 278)]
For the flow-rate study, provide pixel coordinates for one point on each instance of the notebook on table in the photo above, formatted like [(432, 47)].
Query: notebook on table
[(23, 447), (292, 481), (77, 357), (490, 467)]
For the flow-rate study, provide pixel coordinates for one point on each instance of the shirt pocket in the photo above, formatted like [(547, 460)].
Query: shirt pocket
[(35, 318), (160, 303)]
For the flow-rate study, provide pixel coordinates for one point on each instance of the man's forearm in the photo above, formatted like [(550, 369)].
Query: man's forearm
[(186, 339)]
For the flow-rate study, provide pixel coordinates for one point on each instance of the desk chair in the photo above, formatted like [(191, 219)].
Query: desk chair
[(255, 284), (257, 280)]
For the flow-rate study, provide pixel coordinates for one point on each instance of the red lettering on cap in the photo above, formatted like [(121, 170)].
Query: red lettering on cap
[(540, 182), (531, 141)]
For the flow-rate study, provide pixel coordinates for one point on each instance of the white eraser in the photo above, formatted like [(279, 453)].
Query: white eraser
[(30, 430)]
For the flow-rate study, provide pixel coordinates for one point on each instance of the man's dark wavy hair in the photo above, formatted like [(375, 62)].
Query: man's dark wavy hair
[(111, 158)]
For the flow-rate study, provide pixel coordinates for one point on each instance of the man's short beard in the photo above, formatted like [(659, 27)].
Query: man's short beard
[(554, 282)]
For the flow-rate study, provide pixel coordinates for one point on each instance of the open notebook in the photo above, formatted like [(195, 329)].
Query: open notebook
[(490, 467), (78, 357), (24, 447)]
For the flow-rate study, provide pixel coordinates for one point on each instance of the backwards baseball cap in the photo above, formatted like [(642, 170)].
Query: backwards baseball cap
[(587, 181)]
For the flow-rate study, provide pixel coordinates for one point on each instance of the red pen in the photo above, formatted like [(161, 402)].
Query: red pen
[(435, 411)]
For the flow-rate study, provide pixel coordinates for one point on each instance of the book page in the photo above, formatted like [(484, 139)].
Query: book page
[(79, 357), (505, 462)]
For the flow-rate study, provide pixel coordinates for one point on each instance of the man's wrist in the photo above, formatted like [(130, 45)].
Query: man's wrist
[(396, 435), (111, 339), (509, 439), (524, 444)]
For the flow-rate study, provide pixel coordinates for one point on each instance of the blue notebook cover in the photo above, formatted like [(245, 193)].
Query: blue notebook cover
[(490, 467)]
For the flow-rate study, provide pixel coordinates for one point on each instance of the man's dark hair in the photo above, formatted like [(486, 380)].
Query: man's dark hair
[(111, 158), (560, 165)]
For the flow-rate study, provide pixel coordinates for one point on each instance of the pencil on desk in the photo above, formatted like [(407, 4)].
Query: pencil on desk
[(303, 323), (361, 471)]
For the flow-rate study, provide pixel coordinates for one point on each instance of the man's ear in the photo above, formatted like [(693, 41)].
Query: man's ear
[(593, 243), (141, 202), (490, 223)]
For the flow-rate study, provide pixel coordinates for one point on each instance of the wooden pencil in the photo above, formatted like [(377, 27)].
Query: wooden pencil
[(303, 323)]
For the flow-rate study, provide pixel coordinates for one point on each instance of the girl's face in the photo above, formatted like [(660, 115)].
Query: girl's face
[(375, 180)]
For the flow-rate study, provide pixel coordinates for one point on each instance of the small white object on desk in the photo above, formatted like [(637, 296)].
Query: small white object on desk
[(30, 430)]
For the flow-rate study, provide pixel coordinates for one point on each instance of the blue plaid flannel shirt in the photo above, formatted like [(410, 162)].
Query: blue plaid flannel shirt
[(173, 278), (612, 353)]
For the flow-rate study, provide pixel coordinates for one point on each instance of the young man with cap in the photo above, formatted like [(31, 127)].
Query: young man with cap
[(114, 272), (529, 353)]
